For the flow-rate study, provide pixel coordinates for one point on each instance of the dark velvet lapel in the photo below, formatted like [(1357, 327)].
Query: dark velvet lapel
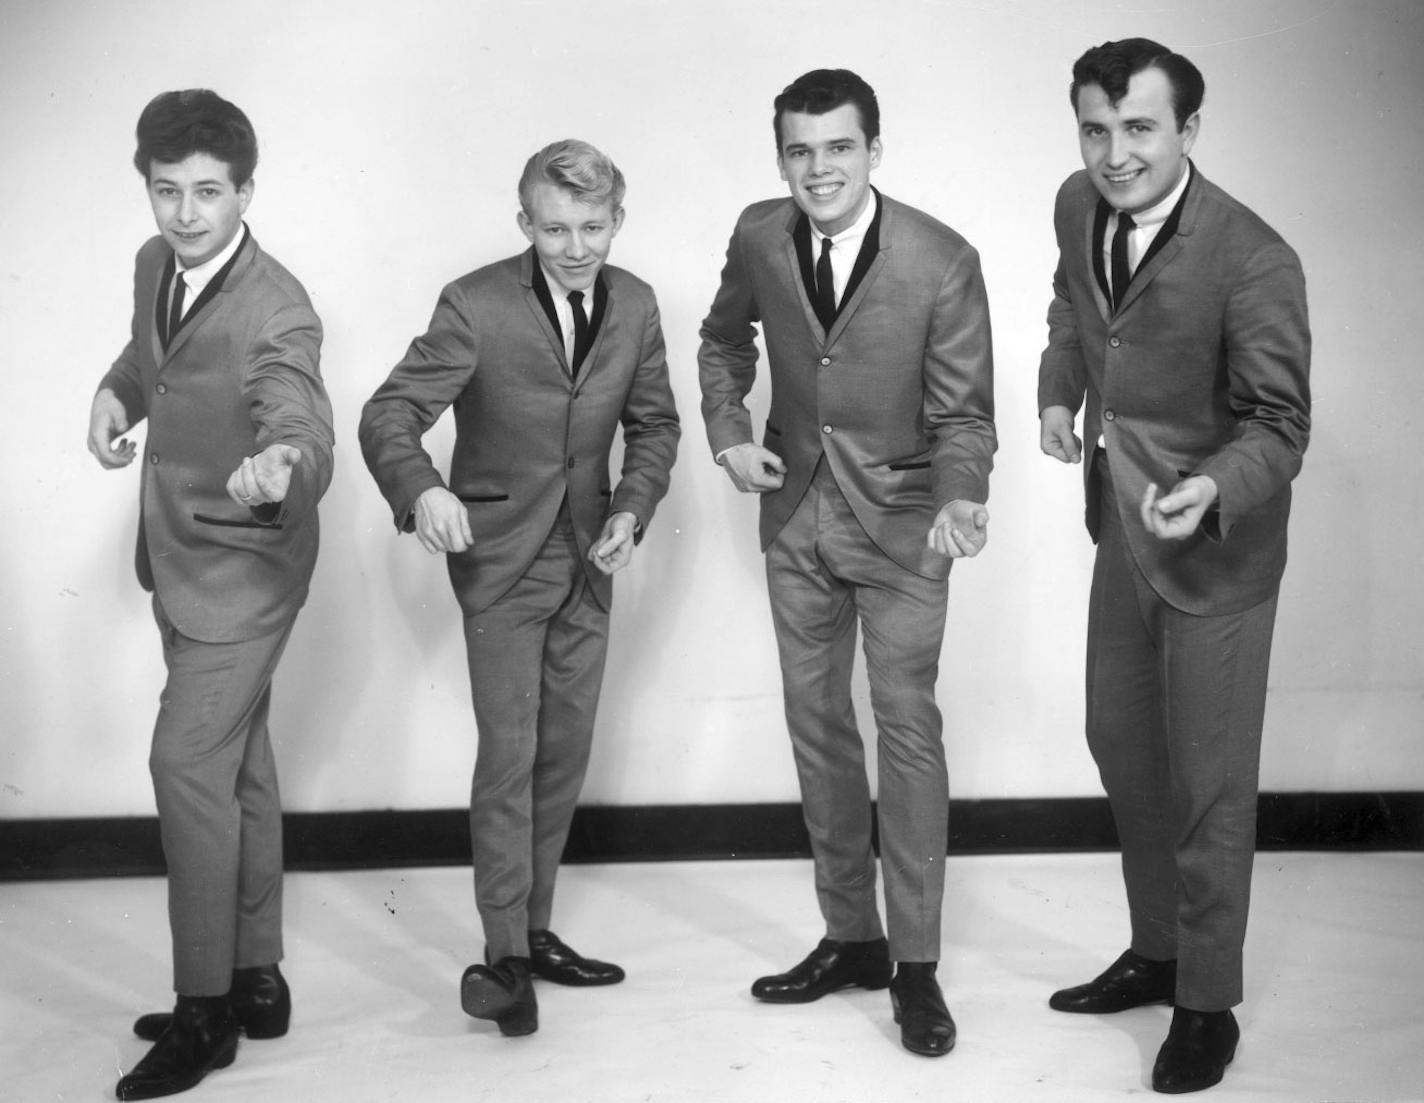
[(160, 305), (1100, 228), (869, 247), (546, 300), (209, 292), (1169, 228)]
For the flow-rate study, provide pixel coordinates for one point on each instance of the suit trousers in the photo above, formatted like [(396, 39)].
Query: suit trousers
[(536, 668), (1175, 707), (219, 810), (824, 574)]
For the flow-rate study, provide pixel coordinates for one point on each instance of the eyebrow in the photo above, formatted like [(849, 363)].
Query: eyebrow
[(844, 141), (196, 183)]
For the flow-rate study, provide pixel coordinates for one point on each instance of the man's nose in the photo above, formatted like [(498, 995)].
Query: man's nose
[(576, 247), (1117, 150), (187, 209)]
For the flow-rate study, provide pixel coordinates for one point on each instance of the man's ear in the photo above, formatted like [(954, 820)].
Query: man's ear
[(1189, 132)]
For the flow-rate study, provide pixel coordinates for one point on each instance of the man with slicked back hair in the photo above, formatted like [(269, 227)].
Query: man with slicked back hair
[(1178, 327)]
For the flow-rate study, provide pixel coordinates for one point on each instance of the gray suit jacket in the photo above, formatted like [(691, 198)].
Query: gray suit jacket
[(898, 396), (528, 432), (1203, 370), (240, 375)]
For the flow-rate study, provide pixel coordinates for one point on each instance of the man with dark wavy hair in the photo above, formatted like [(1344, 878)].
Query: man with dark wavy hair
[(1178, 325), (873, 473), (223, 363), (544, 357)]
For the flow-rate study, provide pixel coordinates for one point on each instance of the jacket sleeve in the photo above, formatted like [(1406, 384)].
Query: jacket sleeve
[(288, 403), (123, 377), (1062, 376), (1267, 334), (650, 430), (727, 358), (435, 369), (959, 384)]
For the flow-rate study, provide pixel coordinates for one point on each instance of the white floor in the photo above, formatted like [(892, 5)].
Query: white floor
[(1335, 964)]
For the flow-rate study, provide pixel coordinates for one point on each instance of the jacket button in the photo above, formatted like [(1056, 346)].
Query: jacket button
[(161, 388), (825, 361), (153, 458), (571, 463), (1115, 341), (825, 428), (1109, 415)]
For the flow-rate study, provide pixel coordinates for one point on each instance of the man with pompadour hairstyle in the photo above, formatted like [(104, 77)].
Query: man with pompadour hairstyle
[(543, 356), (1179, 327), (223, 364), (873, 473)]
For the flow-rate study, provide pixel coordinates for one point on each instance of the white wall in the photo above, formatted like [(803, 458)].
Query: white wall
[(392, 136)]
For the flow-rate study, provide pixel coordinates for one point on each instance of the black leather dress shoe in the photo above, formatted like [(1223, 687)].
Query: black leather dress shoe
[(260, 999), (201, 1036), (503, 992), (1199, 1046), (1130, 981), (552, 960), (830, 966), (925, 1023)]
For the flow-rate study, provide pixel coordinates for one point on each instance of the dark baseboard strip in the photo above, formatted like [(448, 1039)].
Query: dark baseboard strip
[(43, 849)]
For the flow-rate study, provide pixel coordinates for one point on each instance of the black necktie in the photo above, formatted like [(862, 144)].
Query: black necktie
[(175, 310), (1121, 274), (825, 287), (580, 330)]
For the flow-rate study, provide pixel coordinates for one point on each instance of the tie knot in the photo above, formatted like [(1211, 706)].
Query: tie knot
[(576, 297), (1125, 223), (825, 247)]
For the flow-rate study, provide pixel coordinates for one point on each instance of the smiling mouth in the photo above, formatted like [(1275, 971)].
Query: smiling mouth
[(823, 190), (1123, 177), (189, 235)]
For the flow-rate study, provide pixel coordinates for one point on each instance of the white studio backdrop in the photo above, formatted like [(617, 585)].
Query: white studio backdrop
[(392, 137)]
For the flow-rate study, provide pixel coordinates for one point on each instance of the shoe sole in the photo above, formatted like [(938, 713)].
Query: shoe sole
[(874, 984), (159, 1023), (484, 998), (1114, 1009), (568, 983)]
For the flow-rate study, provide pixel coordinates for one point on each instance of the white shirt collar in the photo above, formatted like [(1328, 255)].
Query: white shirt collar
[(1158, 212), (852, 233), (198, 277)]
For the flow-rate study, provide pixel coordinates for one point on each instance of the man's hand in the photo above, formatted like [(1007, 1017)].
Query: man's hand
[(264, 477), (442, 522), (960, 529), (1178, 514), (109, 420), (613, 550), (1056, 436), (753, 469)]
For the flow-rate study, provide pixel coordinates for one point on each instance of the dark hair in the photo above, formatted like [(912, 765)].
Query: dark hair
[(1113, 64), (823, 90), (176, 125)]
